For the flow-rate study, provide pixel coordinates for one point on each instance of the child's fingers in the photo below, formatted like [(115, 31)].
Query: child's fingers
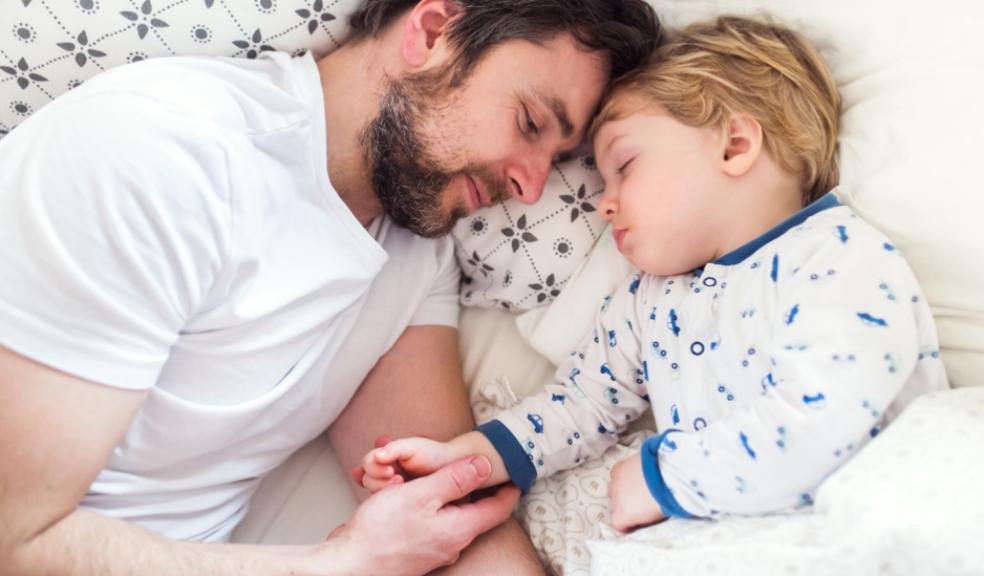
[(374, 468), (374, 484), (397, 451)]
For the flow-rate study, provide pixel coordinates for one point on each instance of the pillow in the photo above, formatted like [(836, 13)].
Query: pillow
[(556, 330), (47, 48), (518, 257), (910, 127), (908, 503)]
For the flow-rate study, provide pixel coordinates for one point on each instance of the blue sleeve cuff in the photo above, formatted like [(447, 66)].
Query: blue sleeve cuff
[(517, 461), (654, 478)]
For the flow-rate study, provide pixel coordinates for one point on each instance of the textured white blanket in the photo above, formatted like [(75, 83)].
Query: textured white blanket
[(908, 503)]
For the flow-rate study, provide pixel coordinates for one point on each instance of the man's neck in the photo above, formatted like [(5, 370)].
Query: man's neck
[(351, 80)]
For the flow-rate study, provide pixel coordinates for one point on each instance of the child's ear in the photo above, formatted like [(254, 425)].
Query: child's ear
[(743, 144), (425, 31)]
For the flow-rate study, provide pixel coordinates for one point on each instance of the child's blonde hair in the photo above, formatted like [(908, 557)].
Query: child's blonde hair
[(710, 71)]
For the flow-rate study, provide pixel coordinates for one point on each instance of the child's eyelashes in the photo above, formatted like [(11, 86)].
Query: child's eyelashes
[(621, 169)]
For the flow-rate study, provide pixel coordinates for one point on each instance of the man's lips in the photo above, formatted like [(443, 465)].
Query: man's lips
[(474, 201), (476, 198)]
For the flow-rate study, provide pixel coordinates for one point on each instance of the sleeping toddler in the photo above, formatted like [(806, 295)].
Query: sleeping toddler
[(773, 331)]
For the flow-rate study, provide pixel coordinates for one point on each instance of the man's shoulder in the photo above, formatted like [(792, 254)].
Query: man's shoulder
[(251, 96)]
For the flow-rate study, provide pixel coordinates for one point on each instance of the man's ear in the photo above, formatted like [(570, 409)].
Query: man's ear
[(743, 144), (424, 30)]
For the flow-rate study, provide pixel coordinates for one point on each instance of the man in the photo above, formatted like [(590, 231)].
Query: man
[(201, 260)]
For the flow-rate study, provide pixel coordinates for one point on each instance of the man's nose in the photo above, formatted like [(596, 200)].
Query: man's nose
[(528, 179)]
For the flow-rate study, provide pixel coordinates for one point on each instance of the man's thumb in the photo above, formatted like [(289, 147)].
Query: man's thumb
[(456, 480)]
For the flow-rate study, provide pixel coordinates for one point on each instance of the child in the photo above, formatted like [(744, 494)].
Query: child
[(772, 330)]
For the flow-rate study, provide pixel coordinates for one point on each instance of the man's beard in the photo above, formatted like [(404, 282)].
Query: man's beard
[(408, 181)]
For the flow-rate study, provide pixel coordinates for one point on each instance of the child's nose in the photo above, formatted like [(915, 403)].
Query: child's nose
[(608, 206)]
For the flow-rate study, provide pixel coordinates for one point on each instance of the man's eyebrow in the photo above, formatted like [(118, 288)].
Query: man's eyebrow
[(559, 109)]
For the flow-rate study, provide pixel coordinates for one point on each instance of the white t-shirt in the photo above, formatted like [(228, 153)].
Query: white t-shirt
[(170, 226)]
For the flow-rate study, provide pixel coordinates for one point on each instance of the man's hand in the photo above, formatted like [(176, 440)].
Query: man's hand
[(629, 498), (412, 529), (416, 389), (402, 460)]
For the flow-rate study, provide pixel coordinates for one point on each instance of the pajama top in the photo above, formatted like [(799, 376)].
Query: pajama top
[(766, 369)]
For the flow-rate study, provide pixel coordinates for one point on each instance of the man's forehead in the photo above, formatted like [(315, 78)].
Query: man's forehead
[(554, 54), (563, 77)]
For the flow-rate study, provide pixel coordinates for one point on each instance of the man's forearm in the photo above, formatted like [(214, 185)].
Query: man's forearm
[(86, 543), (486, 555), (416, 389)]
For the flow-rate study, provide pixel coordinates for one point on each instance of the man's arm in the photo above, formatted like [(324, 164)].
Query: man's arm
[(417, 389), (56, 432)]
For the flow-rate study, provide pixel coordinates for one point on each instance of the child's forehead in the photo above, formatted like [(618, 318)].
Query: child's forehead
[(624, 115), (620, 106)]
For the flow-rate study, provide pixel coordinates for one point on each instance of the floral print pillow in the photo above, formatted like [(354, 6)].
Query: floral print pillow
[(518, 257), (48, 47)]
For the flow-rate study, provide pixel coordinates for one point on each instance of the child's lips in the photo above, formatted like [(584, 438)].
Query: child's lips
[(619, 236)]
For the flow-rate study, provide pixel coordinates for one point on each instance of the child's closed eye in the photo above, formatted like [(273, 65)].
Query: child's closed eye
[(623, 166)]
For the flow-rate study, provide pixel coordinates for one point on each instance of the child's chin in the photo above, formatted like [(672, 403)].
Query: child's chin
[(665, 268)]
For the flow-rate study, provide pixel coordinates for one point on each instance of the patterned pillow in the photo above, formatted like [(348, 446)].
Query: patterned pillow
[(517, 256), (49, 47), (514, 256)]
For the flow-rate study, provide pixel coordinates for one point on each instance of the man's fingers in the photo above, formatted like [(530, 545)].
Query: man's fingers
[(381, 441), (483, 515), (454, 481)]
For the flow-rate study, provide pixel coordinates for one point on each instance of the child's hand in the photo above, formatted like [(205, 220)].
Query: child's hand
[(403, 459), (631, 503)]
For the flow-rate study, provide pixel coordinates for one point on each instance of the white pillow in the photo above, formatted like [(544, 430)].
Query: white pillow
[(554, 331), (911, 77), (518, 257), (907, 504), (47, 48)]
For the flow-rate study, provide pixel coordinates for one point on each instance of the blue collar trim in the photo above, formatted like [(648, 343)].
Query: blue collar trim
[(737, 256)]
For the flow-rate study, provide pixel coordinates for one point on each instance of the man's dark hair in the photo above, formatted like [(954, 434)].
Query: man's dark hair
[(626, 30)]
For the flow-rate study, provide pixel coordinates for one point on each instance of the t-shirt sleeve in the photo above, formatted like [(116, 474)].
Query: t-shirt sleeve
[(113, 226), (846, 341), (440, 306)]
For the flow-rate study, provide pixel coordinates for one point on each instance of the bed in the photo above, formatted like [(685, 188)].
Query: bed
[(911, 77)]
